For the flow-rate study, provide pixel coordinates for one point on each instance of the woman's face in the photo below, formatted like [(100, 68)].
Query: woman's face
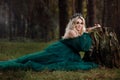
[(79, 24)]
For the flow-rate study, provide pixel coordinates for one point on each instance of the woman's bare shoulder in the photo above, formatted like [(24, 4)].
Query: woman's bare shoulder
[(70, 34)]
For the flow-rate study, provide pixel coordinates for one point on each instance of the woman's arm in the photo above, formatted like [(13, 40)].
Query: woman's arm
[(93, 28)]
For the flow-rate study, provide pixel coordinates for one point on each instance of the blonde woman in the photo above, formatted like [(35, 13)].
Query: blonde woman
[(76, 27), (60, 55)]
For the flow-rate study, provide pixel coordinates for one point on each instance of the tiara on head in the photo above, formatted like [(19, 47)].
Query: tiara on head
[(76, 15)]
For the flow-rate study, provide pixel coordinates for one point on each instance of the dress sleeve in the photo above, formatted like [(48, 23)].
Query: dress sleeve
[(85, 42)]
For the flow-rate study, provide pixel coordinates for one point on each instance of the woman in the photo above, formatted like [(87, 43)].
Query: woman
[(61, 55), (76, 27)]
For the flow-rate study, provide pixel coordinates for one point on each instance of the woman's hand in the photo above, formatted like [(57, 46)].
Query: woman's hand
[(97, 25), (90, 29)]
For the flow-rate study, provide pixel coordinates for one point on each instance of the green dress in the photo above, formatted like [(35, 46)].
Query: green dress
[(61, 55)]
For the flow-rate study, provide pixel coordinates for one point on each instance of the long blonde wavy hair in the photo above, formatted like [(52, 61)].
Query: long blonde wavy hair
[(71, 24)]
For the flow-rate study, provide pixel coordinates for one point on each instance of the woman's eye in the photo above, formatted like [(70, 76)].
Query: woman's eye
[(81, 23), (77, 23)]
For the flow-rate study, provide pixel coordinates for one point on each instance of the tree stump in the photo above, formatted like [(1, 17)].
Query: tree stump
[(105, 50)]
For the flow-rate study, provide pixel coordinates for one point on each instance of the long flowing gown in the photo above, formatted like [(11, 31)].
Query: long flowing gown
[(61, 55)]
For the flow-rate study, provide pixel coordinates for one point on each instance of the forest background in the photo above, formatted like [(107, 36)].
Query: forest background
[(45, 20)]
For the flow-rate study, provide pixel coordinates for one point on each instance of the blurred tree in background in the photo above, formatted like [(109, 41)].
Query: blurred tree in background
[(63, 16), (34, 19), (45, 20)]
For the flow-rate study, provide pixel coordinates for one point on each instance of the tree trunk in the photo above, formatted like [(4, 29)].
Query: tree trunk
[(106, 48), (111, 15), (63, 17), (78, 7), (91, 12)]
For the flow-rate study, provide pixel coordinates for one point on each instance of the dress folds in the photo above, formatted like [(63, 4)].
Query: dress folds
[(60, 55)]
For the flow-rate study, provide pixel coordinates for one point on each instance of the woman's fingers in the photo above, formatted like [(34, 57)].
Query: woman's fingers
[(97, 25)]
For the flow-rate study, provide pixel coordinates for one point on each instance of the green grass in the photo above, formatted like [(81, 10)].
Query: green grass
[(10, 50)]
